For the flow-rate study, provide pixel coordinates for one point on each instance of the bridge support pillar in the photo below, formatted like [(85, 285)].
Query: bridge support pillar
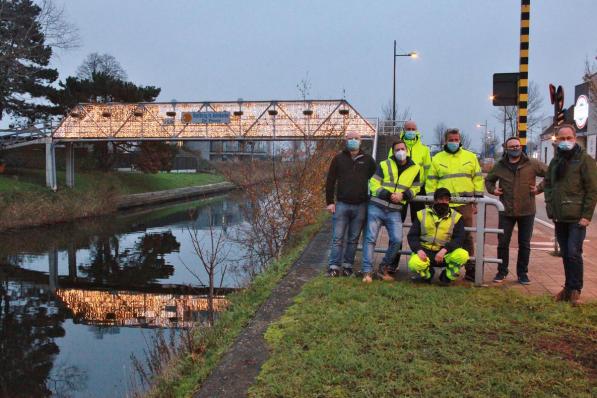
[(51, 165), (72, 262), (70, 164), (53, 269)]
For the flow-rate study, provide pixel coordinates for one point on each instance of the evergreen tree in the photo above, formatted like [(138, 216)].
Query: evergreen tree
[(25, 77)]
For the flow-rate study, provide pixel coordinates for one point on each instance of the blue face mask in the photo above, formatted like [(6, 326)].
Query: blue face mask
[(353, 145), (453, 146), (514, 153), (565, 145), (410, 135)]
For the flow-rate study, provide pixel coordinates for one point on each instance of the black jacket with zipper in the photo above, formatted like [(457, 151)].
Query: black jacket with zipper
[(348, 178)]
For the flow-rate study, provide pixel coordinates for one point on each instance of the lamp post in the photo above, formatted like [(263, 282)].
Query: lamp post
[(484, 138), (412, 54)]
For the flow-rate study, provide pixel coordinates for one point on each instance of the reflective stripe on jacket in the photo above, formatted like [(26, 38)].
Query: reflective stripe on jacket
[(459, 172), (388, 179), (436, 232)]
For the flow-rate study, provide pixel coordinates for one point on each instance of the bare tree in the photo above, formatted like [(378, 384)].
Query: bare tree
[(387, 125), (59, 33), (304, 87), (590, 77), (438, 134), (101, 63), (214, 257), (507, 115)]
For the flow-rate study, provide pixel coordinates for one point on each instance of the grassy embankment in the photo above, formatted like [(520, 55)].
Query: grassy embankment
[(184, 376), (24, 200), (345, 339)]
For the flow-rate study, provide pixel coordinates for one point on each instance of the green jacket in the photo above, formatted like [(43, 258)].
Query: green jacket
[(516, 185), (419, 153), (573, 196)]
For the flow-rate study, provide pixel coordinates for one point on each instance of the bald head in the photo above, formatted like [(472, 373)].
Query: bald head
[(353, 135), (411, 125)]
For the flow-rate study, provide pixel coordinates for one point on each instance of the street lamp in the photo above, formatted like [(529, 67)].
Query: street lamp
[(484, 137), (412, 54)]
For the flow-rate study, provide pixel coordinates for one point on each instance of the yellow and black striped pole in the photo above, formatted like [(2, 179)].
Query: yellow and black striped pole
[(523, 75)]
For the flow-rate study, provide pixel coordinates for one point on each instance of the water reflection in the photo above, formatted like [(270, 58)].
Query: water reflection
[(97, 284)]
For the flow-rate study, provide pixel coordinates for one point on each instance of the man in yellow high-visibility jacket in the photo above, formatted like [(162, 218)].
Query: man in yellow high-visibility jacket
[(436, 238), (393, 185), (459, 171)]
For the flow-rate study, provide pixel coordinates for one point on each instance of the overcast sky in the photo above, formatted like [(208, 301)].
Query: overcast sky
[(260, 50)]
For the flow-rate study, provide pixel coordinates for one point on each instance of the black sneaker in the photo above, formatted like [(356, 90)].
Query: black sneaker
[(469, 275), (443, 279), (420, 279), (333, 273), (499, 278), (347, 271), (524, 280)]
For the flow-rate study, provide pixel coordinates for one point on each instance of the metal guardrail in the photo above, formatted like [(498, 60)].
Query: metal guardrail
[(15, 138), (480, 231)]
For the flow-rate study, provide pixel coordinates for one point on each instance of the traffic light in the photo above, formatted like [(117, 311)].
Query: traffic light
[(556, 96)]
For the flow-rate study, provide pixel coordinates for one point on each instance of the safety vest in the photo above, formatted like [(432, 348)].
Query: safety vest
[(436, 232), (419, 153), (392, 182), (459, 172)]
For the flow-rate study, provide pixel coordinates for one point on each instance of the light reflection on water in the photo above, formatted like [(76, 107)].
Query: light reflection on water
[(78, 299)]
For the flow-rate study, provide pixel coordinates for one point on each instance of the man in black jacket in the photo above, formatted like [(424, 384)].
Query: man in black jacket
[(347, 180)]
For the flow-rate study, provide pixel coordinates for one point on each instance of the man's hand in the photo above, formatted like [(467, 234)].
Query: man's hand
[(422, 255), (439, 257), (534, 190), (331, 208), (498, 191), (474, 208), (583, 222), (396, 197)]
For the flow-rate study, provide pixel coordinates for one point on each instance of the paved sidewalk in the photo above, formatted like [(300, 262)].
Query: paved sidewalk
[(545, 270)]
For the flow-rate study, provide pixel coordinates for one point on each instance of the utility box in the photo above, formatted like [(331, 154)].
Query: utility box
[(505, 89)]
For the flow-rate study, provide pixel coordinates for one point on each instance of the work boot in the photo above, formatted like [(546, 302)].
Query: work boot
[(346, 271), (333, 273), (387, 274), (575, 297), (563, 295), (367, 277), (443, 279)]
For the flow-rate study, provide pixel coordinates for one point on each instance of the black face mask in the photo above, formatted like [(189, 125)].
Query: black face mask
[(441, 209)]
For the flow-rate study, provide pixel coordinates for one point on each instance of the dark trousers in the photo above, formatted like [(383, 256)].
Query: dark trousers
[(414, 208), (570, 237), (525, 231)]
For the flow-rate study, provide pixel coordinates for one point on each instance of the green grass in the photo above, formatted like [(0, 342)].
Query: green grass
[(345, 339), (127, 183), (188, 373)]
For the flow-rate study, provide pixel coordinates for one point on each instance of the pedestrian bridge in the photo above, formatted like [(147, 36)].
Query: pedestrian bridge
[(239, 120)]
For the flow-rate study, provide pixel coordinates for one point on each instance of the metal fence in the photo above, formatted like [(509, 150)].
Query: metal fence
[(480, 230)]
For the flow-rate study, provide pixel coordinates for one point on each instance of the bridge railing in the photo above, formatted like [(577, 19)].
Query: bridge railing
[(480, 231)]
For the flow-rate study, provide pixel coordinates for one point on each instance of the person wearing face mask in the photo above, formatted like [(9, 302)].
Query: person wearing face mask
[(516, 174), (458, 170), (570, 197), (419, 153), (347, 195), (393, 185), (436, 239)]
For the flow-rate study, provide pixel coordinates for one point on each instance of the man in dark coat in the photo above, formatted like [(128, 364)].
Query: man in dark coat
[(570, 198), (347, 194), (516, 175)]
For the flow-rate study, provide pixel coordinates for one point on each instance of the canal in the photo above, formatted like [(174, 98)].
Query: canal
[(79, 299)]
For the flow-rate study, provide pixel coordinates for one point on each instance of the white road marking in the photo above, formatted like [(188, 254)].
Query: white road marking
[(545, 223)]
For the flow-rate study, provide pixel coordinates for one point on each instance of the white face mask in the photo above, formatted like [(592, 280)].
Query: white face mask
[(400, 155)]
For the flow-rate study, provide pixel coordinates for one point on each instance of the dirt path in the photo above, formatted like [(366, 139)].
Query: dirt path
[(241, 364)]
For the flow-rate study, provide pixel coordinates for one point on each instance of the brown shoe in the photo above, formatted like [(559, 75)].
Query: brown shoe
[(563, 295), (575, 297), (387, 275)]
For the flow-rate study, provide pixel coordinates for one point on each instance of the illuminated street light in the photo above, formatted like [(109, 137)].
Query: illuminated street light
[(412, 54)]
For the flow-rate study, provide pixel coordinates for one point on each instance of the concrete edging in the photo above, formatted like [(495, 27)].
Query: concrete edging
[(147, 198)]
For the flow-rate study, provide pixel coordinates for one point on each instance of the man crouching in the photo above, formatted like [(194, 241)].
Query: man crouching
[(436, 239)]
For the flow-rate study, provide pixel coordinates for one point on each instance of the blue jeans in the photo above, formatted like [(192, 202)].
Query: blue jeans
[(570, 238), (376, 217), (347, 217)]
